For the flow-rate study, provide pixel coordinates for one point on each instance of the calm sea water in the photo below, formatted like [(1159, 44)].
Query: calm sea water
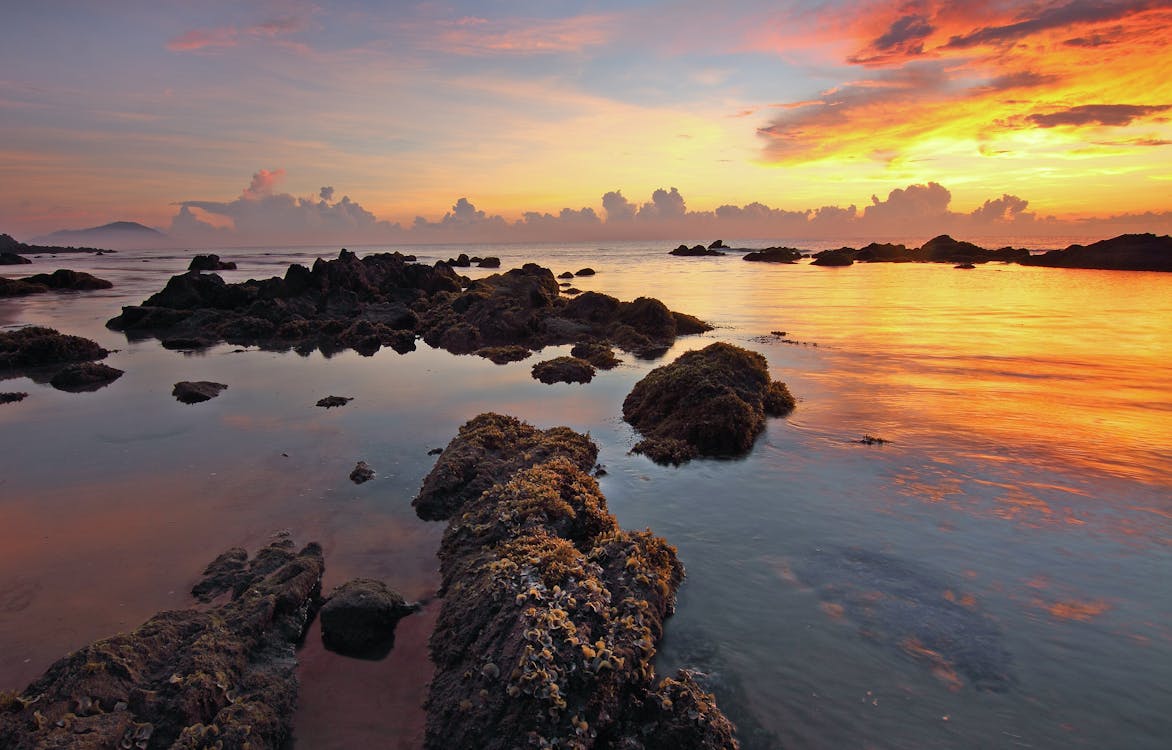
[(1020, 514)]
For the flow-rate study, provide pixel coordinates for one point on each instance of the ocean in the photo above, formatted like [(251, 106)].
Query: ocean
[(995, 574)]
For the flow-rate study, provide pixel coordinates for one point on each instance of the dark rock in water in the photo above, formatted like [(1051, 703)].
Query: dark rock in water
[(566, 275), (775, 255), (695, 252), (571, 291), (460, 261), (913, 609), (194, 392), (710, 402), (329, 402), (945, 249), (563, 370), (599, 355), (12, 397), (20, 288), (187, 343), (502, 355), (435, 451), (384, 300), (12, 259), (882, 251), (490, 261), (965, 266), (1127, 252), (210, 262), (192, 678), (85, 376), (832, 258), (67, 280), (716, 244), (585, 272), (551, 614), (361, 473), (490, 446), (35, 347), (358, 618), (872, 440)]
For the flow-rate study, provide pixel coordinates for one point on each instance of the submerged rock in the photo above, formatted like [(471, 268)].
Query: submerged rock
[(361, 473), (1127, 252), (551, 613), (710, 402), (359, 617), (563, 370), (223, 676), (12, 397), (194, 392), (329, 402), (85, 376)]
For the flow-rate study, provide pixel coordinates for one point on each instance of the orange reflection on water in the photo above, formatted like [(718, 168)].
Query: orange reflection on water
[(1082, 611), (940, 666)]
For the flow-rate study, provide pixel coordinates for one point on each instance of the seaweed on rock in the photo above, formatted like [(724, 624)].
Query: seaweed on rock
[(551, 613)]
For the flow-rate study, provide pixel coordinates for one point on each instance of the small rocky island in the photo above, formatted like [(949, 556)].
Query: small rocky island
[(386, 299)]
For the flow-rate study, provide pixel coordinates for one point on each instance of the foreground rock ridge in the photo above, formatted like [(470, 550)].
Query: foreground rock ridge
[(551, 613), (709, 402), (220, 677), (386, 299)]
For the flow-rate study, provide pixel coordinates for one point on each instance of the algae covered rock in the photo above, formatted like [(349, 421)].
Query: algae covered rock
[(35, 346), (359, 617), (218, 677), (551, 617), (709, 402), (564, 370)]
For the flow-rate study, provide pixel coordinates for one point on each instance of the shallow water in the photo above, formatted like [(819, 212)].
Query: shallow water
[(1019, 520)]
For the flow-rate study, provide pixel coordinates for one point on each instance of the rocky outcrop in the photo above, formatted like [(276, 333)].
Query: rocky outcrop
[(563, 370), (12, 259), (599, 355), (12, 397), (223, 676), (696, 251), (833, 258), (361, 473), (551, 613), (1128, 252), (198, 391), (210, 262), (502, 355), (774, 255), (387, 300), (710, 402), (359, 618), (62, 279), (84, 376), (35, 346)]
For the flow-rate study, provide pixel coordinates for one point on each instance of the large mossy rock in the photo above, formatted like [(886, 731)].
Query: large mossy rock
[(551, 613), (709, 402), (222, 677)]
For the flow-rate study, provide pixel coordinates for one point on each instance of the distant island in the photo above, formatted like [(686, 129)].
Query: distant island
[(120, 233)]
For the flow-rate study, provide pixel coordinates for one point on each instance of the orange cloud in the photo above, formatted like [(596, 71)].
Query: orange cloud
[(230, 36), (950, 75)]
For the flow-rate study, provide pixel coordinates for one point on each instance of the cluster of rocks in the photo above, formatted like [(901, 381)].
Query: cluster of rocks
[(210, 262), (464, 261), (386, 300), (223, 676), (60, 280), (709, 402), (64, 361), (551, 613), (1128, 252)]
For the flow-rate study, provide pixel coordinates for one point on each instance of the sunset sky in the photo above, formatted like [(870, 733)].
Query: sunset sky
[(281, 120)]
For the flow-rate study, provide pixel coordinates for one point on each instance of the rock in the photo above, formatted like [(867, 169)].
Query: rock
[(872, 440), (193, 392), (563, 370), (11, 397), (489, 446), (965, 266), (1127, 252), (774, 255), (435, 451), (64, 279), (716, 244), (210, 262), (186, 678), (329, 402), (358, 618), (944, 249), (566, 275), (585, 272), (551, 614), (490, 261), (502, 355), (694, 252), (597, 354), (461, 261), (710, 402), (571, 291), (20, 288), (35, 346), (85, 376), (12, 259), (361, 473), (832, 258), (882, 252)]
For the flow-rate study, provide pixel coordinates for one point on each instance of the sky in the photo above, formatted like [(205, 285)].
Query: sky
[(278, 121)]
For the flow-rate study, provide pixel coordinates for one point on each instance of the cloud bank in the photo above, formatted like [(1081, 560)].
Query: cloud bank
[(261, 215)]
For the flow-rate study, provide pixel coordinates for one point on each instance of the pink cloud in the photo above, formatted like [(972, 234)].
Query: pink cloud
[(198, 39), (263, 183), (479, 36)]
